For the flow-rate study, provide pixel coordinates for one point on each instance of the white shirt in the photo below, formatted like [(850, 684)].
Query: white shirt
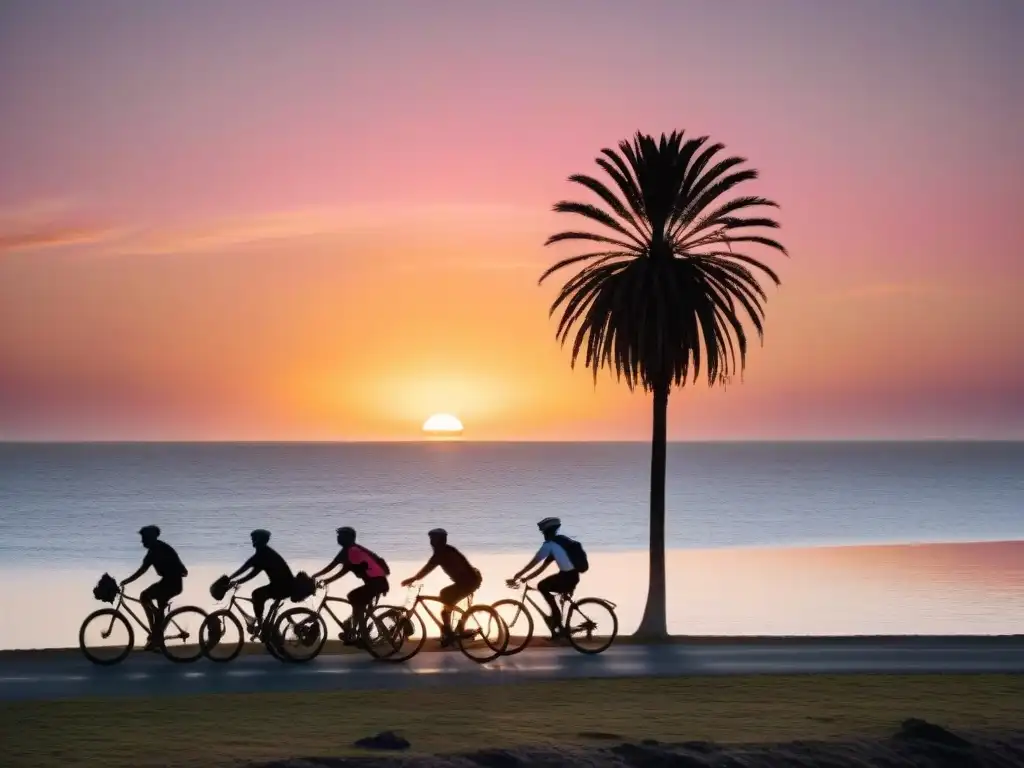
[(555, 550)]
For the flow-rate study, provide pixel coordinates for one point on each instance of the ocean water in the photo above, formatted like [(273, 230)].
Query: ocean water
[(743, 518)]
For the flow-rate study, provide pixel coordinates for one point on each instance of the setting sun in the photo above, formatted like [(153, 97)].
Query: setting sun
[(443, 424)]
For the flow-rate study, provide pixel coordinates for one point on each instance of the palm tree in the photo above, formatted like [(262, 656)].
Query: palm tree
[(664, 287)]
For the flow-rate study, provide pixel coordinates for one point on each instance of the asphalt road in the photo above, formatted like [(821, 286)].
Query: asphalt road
[(147, 675)]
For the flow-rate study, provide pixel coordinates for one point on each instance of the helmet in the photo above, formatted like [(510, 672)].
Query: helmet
[(549, 524), (438, 533), (260, 536), (150, 531)]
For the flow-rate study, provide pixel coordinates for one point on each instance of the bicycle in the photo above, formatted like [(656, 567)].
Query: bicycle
[(579, 620), (223, 622), (310, 632), (173, 627), (392, 627)]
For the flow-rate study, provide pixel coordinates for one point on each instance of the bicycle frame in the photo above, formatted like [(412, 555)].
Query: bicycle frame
[(235, 606), (122, 606), (423, 601), (325, 605), (565, 603)]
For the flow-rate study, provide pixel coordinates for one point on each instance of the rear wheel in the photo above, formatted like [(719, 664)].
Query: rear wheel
[(481, 634), (181, 632), (301, 634), (591, 625), (221, 636), (394, 634), (106, 637), (519, 622)]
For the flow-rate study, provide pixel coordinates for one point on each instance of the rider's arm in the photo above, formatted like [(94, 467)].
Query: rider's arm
[(329, 567), (550, 559), (245, 566), (424, 571), (146, 562), (339, 574), (541, 553), (252, 575)]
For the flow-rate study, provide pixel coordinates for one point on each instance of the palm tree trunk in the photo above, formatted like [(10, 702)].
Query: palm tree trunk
[(654, 624)]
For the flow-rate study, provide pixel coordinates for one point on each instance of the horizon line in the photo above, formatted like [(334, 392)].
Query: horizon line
[(723, 441)]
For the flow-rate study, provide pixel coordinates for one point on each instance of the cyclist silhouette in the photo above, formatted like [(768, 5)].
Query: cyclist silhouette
[(563, 582), (268, 561), (368, 566), (466, 579), (162, 558)]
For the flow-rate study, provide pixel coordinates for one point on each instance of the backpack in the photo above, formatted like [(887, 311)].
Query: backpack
[(380, 560), (575, 552)]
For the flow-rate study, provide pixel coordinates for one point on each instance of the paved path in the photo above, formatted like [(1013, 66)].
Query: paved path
[(147, 675)]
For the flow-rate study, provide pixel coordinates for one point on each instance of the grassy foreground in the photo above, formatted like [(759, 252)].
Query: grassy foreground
[(226, 729)]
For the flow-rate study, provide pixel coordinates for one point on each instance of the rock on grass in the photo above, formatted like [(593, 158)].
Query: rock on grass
[(916, 744)]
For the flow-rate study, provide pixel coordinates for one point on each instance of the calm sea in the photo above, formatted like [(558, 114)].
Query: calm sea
[(76, 508)]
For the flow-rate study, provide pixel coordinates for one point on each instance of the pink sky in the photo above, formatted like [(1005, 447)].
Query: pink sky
[(265, 220)]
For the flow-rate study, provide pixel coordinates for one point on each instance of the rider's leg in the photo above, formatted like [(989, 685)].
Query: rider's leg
[(169, 590), (360, 598), (260, 596), (548, 588), (450, 596), (149, 597), (560, 583)]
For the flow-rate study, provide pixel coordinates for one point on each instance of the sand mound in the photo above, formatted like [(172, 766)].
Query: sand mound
[(915, 743)]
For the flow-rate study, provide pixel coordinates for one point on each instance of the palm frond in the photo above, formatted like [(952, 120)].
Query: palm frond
[(670, 292)]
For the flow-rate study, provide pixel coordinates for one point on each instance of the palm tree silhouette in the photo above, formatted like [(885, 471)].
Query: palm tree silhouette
[(664, 287)]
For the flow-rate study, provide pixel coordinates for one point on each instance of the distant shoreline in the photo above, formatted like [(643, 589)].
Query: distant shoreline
[(429, 441)]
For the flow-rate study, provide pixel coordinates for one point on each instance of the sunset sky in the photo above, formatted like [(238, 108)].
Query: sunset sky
[(325, 219)]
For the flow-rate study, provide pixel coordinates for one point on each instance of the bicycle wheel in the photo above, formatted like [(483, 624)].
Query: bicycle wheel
[(394, 634), (220, 636), (519, 621), (106, 637), (272, 642), (481, 634), (179, 637), (591, 625), (302, 634)]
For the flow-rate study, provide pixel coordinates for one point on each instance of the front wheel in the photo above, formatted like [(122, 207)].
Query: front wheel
[(517, 618), (221, 637), (181, 632), (393, 634), (591, 625), (482, 635), (106, 637), (301, 634)]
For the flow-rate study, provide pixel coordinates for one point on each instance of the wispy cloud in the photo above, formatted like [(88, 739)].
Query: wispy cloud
[(55, 236), (48, 224), (910, 289), (54, 226)]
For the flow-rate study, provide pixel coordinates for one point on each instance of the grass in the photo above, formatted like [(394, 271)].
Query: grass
[(223, 729)]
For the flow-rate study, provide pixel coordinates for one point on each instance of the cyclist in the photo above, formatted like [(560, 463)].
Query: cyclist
[(365, 564), (564, 582), (265, 560), (465, 578), (162, 558)]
